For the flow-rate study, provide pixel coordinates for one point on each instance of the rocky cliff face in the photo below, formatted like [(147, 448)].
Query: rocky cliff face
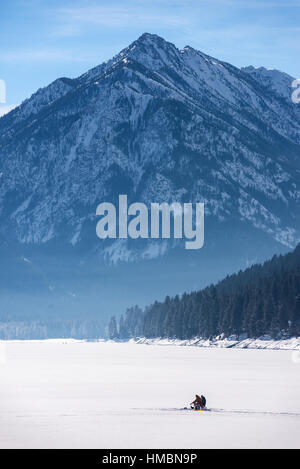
[(158, 124)]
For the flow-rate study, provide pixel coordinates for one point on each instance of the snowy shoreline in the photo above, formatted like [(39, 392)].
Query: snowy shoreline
[(262, 343)]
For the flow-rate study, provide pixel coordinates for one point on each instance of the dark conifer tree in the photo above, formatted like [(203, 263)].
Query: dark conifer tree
[(264, 299)]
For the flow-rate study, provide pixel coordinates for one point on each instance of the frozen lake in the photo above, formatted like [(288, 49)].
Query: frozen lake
[(123, 395)]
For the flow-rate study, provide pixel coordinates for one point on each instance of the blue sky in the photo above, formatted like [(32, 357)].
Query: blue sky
[(43, 40)]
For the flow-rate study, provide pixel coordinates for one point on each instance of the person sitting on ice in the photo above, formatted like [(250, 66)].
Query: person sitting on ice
[(199, 402)]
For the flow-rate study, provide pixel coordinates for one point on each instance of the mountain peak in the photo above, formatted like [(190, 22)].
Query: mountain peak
[(152, 42), (170, 125), (149, 49), (149, 37)]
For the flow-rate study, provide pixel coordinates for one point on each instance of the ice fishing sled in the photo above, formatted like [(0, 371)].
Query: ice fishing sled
[(197, 410)]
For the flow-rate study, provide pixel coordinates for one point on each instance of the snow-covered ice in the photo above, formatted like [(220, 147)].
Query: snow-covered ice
[(68, 394)]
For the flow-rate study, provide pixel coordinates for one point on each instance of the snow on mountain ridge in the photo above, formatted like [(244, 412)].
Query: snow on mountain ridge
[(278, 81)]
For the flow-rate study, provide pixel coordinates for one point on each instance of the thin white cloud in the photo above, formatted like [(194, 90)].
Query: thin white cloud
[(43, 55), (72, 21), (249, 3), (144, 14)]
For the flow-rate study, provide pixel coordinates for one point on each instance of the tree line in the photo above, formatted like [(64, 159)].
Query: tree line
[(262, 300)]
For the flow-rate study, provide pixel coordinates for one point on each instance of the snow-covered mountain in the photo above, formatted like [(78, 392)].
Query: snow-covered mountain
[(159, 124)]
